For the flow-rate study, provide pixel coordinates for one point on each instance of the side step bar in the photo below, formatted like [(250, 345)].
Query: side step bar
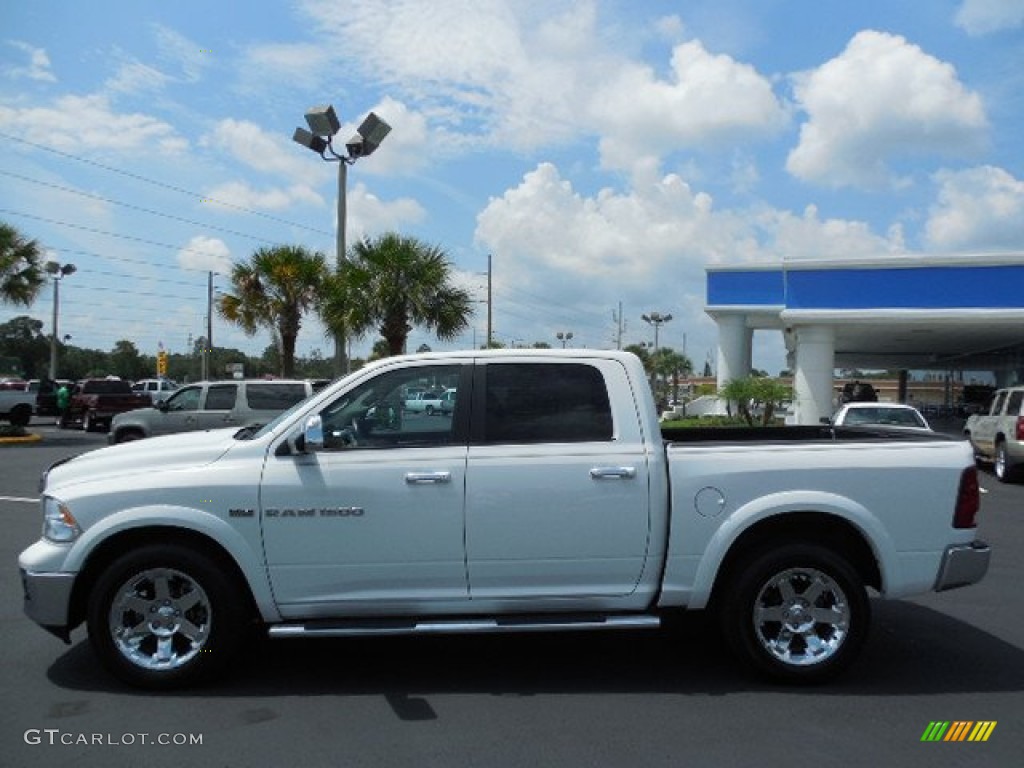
[(489, 625)]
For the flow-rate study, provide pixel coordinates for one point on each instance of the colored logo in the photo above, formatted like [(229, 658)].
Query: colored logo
[(958, 730)]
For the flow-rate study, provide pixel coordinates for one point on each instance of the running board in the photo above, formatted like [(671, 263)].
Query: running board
[(555, 623)]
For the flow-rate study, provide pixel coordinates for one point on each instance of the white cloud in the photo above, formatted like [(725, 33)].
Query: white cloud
[(270, 153), (881, 99), (369, 215), (38, 67), (301, 64), (236, 194), (982, 17), (976, 209), (708, 99), (136, 77), (210, 254), (75, 123), (190, 56)]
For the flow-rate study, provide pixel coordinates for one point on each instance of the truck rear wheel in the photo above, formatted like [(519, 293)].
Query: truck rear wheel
[(164, 616), (797, 613)]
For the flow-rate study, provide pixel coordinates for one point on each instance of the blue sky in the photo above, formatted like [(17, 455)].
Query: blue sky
[(602, 152)]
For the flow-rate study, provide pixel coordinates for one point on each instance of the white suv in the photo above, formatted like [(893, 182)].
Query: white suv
[(157, 389)]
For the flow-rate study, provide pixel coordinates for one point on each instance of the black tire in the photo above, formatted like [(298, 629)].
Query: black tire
[(798, 613), (20, 415), (430, 410), (1002, 466), (165, 616)]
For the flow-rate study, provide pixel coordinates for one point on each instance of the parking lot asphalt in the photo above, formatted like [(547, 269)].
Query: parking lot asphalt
[(663, 698)]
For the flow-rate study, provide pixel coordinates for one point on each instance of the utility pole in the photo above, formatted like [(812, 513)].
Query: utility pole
[(490, 302), (208, 346), (620, 324)]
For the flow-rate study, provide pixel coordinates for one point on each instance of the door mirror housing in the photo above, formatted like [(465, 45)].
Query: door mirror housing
[(313, 434)]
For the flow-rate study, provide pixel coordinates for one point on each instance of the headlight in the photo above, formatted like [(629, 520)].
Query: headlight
[(59, 525)]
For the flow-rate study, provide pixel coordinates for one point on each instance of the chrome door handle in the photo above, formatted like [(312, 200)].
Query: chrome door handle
[(604, 473), (427, 478)]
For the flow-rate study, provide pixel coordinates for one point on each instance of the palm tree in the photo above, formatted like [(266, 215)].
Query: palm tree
[(274, 290), (393, 284), (21, 269)]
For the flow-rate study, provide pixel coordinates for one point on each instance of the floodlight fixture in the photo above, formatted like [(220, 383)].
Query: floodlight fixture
[(373, 130), (308, 140), (323, 121)]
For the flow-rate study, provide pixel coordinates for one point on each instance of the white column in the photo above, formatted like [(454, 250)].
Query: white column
[(734, 345), (812, 379)]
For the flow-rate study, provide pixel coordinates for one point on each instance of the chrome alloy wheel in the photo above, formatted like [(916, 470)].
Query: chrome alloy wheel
[(801, 616), (160, 619)]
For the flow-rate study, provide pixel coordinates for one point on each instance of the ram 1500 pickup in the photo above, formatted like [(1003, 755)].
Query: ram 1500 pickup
[(549, 501)]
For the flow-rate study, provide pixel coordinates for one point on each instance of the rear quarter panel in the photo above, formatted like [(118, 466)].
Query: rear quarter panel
[(900, 496)]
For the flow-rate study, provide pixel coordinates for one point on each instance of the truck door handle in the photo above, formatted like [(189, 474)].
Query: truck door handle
[(427, 478), (605, 473)]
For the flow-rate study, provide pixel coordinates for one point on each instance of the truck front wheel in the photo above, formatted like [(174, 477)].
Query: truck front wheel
[(164, 616), (798, 613)]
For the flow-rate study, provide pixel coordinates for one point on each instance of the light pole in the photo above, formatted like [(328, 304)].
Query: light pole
[(565, 337), (57, 272), (323, 125), (657, 320)]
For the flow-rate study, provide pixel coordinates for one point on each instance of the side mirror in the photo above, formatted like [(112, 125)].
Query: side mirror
[(313, 434), (825, 420), (161, 405)]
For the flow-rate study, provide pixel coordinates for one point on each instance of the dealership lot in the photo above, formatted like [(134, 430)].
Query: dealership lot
[(643, 698)]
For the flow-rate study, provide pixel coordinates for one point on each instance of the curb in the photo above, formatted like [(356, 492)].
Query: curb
[(33, 438)]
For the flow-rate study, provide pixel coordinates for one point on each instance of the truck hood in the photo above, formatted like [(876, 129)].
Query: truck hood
[(156, 454)]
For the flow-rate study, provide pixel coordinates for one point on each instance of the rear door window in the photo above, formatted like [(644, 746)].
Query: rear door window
[(221, 397), (1013, 405), (274, 397), (545, 403)]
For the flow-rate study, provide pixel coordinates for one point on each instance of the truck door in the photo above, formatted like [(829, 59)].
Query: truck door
[(375, 518), (181, 413), (557, 498)]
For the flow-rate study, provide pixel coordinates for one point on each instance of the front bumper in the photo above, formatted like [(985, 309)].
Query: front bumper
[(47, 600), (963, 564)]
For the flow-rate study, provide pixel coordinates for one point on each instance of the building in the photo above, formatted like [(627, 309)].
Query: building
[(956, 313)]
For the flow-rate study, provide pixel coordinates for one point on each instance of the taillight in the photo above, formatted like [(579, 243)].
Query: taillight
[(968, 500), (1020, 427)]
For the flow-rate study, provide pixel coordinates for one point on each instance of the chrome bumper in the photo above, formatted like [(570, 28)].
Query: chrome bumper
[(963, 564), (48, 599)]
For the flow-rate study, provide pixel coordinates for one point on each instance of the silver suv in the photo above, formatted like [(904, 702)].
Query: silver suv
[(157, 389), (211, 405), (998, 434)]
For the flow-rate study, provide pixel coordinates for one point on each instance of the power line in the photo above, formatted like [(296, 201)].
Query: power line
[(161, 184), (139, 208)]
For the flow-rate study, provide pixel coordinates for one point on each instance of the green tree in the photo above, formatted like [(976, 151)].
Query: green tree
[(22, 337), (756, 393), (273, 291), (394, 284), (128, 363), (669, 365), (21, 267)]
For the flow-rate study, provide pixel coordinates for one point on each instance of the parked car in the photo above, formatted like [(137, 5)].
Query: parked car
[(889, 415), (16, 403), (551, 501), (998, 435), (431, 402), (211, 405), (95, 402), (157, 389)]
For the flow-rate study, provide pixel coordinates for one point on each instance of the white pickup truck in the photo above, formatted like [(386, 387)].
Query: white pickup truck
[(17, 406), (549, 501)]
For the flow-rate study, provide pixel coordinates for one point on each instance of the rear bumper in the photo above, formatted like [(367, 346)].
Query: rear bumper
[(963, 564)]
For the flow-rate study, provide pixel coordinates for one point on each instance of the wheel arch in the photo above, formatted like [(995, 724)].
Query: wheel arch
[(125, 541), (813, 527)]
